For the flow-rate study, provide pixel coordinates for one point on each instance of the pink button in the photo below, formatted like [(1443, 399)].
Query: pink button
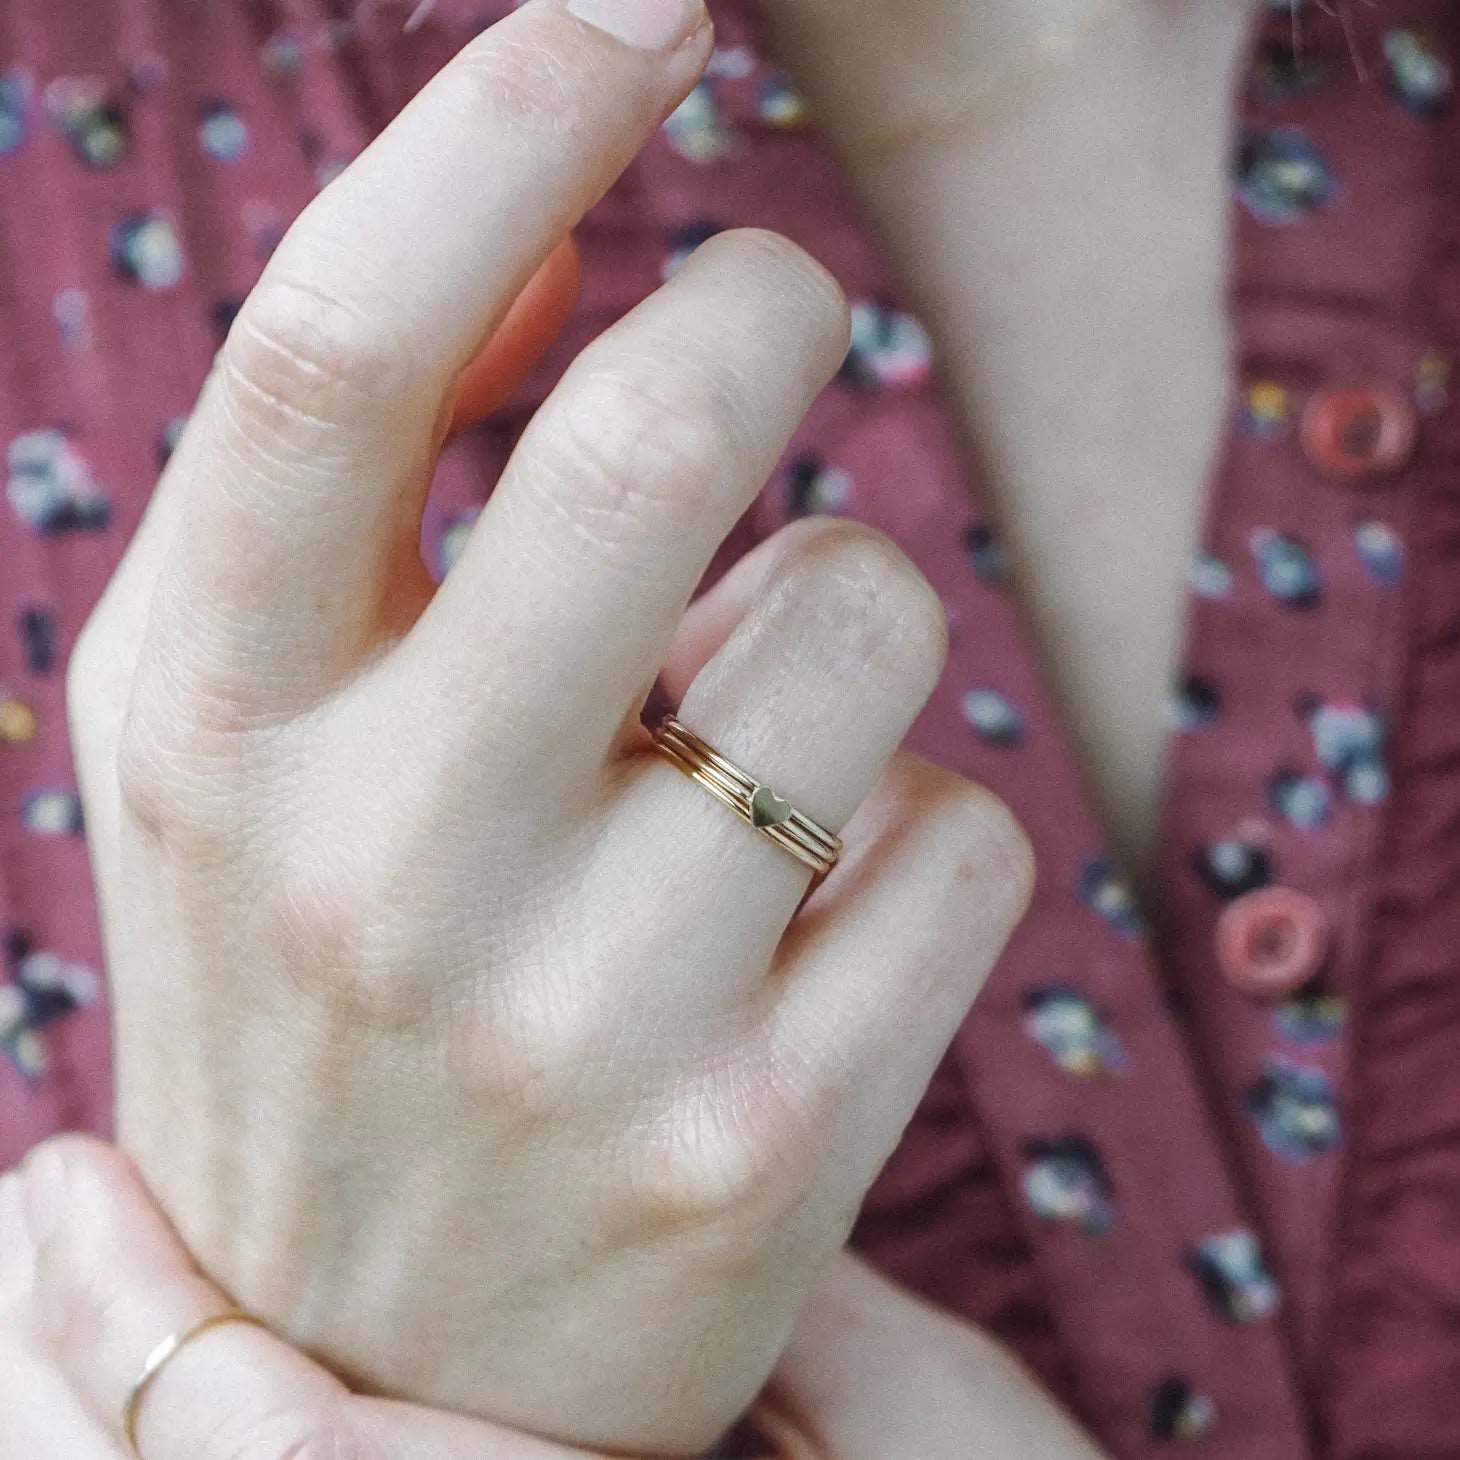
[(1272, 941), (1366, 431)]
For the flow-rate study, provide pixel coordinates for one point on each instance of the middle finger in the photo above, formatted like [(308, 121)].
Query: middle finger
[(563, 606)]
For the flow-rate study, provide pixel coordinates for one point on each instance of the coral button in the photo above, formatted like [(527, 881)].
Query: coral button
[(1363, 432), (1272, 941)]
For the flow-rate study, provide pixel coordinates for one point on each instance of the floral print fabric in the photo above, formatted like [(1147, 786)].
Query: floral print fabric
[(1213, 1221)]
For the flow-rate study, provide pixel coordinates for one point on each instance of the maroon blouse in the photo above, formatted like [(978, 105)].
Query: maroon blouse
[(1205, 1176)]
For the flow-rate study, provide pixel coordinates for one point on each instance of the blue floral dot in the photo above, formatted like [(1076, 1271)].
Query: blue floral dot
[(1281, 176)]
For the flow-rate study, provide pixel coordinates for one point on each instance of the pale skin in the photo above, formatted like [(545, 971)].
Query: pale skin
[(1051, 178), (91, 1272), (547, 1057)]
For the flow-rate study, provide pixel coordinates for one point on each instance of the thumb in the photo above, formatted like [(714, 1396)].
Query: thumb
[(875, 1373), (93, 1277)]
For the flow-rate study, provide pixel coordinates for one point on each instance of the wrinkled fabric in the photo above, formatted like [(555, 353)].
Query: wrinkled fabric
[(1210, 1222)]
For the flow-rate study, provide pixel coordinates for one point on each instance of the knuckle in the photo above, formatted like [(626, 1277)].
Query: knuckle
[(543, 1044), (337, 941), (889, 615), (144, 788), (525, 87), (301, 360), (624, 449), (86, 669), (177, 783), (732, 1157), (196, 689)]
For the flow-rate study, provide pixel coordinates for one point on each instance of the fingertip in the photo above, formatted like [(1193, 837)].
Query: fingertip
[(809, 299), (1013, 851), (989, 847), (91, 1217), (72, 1176)]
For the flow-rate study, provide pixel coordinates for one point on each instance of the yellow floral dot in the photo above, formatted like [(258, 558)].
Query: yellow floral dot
[(17, 722), (1268, 401)]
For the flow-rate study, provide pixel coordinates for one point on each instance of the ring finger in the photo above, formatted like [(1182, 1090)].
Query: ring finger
[(810, 693)]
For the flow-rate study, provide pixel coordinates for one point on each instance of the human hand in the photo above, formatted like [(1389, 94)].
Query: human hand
[(463, 1039), (92, 1275)]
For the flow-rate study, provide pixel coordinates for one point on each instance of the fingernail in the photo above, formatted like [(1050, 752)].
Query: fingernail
[(646, 25)]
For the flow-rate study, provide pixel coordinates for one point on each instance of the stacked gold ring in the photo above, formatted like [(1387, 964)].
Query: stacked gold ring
[(755, 803)]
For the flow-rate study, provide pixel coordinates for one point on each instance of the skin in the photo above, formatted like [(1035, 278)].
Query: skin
[(1051, 179), (85, 1253), (1091, 407), (457, 1034)]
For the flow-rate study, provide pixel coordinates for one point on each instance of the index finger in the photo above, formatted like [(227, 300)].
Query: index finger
[(319, 431)]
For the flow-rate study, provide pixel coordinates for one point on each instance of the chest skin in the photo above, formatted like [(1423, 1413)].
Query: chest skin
[(1051, 181)]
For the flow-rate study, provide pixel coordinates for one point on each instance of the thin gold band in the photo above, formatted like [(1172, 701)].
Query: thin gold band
[(751, 800), (162, 1355)]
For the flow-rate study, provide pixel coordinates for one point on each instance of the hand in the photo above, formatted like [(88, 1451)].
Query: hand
[(92, 1276), (464, 1039), (459, 1034)]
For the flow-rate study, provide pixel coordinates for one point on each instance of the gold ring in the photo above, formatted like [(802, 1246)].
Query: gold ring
[(755, 803), (162, 1355)]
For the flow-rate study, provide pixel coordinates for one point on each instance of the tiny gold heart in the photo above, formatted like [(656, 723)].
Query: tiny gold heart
[(767, 809)]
